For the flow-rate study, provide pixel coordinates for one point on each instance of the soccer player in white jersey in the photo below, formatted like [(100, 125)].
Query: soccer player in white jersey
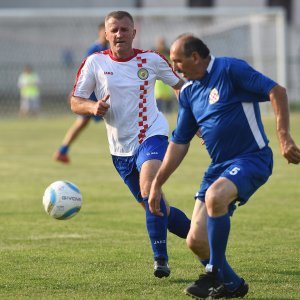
[(123, 80), (222, 99)]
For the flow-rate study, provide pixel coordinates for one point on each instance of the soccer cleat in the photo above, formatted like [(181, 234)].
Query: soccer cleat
[(206, 287), (61, 157), (240, 292), (161, 268)]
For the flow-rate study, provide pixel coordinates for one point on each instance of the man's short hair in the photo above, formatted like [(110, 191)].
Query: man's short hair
[(101, 26), (193, 44), (119, 14)]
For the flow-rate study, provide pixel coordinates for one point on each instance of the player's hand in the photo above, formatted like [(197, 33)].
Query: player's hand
[(101, 107), (290, 150), (154, 200), (199, 135)]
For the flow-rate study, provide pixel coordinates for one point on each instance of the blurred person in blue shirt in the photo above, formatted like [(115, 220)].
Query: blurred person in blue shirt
[(81, 122)]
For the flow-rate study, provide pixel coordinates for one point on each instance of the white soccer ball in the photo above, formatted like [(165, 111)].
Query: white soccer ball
[(62, 200)]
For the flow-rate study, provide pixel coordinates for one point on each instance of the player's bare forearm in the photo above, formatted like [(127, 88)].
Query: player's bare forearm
[(178, 87), (87, 107), (279, 100), (82, 106), (174, 156)]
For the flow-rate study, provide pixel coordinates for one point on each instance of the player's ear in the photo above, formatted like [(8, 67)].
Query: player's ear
[(134, 33), (196, 57)]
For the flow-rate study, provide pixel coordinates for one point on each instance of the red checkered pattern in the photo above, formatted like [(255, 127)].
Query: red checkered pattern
[(143, 125)]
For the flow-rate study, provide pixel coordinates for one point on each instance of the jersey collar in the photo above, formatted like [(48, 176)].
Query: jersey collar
[(208, 70), (212, 59), (135, 52)]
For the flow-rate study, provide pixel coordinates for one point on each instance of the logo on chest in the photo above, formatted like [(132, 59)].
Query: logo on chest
[(213, 96), (143, 73)]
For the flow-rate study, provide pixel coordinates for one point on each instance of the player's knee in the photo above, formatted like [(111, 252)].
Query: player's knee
[(198, 245), (215, 203), (145, 189)]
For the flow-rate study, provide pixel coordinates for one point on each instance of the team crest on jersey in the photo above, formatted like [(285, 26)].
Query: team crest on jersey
[(214, 96), (143, 73)]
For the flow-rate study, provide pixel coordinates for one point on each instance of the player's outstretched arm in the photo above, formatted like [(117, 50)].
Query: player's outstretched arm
[(178, 87), (279, 100), (173, 157), (84, 106)]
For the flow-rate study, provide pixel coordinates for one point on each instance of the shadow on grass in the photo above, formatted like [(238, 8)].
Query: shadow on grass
[(292, 273), (178, 280)]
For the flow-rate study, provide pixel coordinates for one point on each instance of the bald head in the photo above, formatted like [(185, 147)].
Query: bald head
[(188, 44)]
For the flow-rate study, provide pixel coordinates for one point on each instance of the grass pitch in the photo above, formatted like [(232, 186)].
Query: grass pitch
[(104, 252)]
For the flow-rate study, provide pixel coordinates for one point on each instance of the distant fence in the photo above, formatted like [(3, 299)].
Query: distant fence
[(54, 43)]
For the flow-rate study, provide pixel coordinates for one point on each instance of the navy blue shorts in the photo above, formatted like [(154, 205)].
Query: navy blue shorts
[(248, 173), (129, 167)]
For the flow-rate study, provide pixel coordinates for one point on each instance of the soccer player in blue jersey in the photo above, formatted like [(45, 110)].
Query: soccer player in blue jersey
[(221, 98), (81, 122)]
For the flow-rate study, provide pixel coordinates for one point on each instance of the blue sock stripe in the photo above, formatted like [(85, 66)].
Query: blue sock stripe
[(64, 149)]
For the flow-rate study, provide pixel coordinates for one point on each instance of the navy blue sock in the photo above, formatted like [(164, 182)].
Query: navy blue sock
[(204, 262), (231, 280), (218, 231), (63, 149), (157, 230), (178, 222)]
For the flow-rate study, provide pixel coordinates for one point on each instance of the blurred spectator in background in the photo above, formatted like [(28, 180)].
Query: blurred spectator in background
[(68, 58), (81, 122), (166, 99), (28, 83)]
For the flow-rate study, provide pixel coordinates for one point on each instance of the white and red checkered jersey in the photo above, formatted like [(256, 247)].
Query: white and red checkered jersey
[(133, 115)]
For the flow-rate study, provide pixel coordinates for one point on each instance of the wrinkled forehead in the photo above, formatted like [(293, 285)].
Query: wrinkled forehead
[(176, 49), (124, 22)]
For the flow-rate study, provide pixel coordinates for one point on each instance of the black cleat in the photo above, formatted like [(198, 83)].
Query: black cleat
[(206, 287), (161, 268), (240, 292)]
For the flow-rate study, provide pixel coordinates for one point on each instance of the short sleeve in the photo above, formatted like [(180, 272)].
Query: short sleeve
[(85, 81), (245, 77), (165, 72)]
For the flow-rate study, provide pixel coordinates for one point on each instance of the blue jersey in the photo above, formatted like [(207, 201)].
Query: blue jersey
[(96, 47), (224, 104)]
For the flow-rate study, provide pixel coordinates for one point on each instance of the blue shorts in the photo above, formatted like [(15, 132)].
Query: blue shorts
[(248, 173), (95, 118), (129, 167)]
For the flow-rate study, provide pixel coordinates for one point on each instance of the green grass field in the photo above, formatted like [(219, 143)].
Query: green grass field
[(104, 252)]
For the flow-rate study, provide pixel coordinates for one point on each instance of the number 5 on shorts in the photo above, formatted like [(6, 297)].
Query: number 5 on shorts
[(234, 171)]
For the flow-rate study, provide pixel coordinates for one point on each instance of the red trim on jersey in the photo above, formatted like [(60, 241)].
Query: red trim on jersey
[(77, 76), (135, 53), (164, 58), (81, 66)]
